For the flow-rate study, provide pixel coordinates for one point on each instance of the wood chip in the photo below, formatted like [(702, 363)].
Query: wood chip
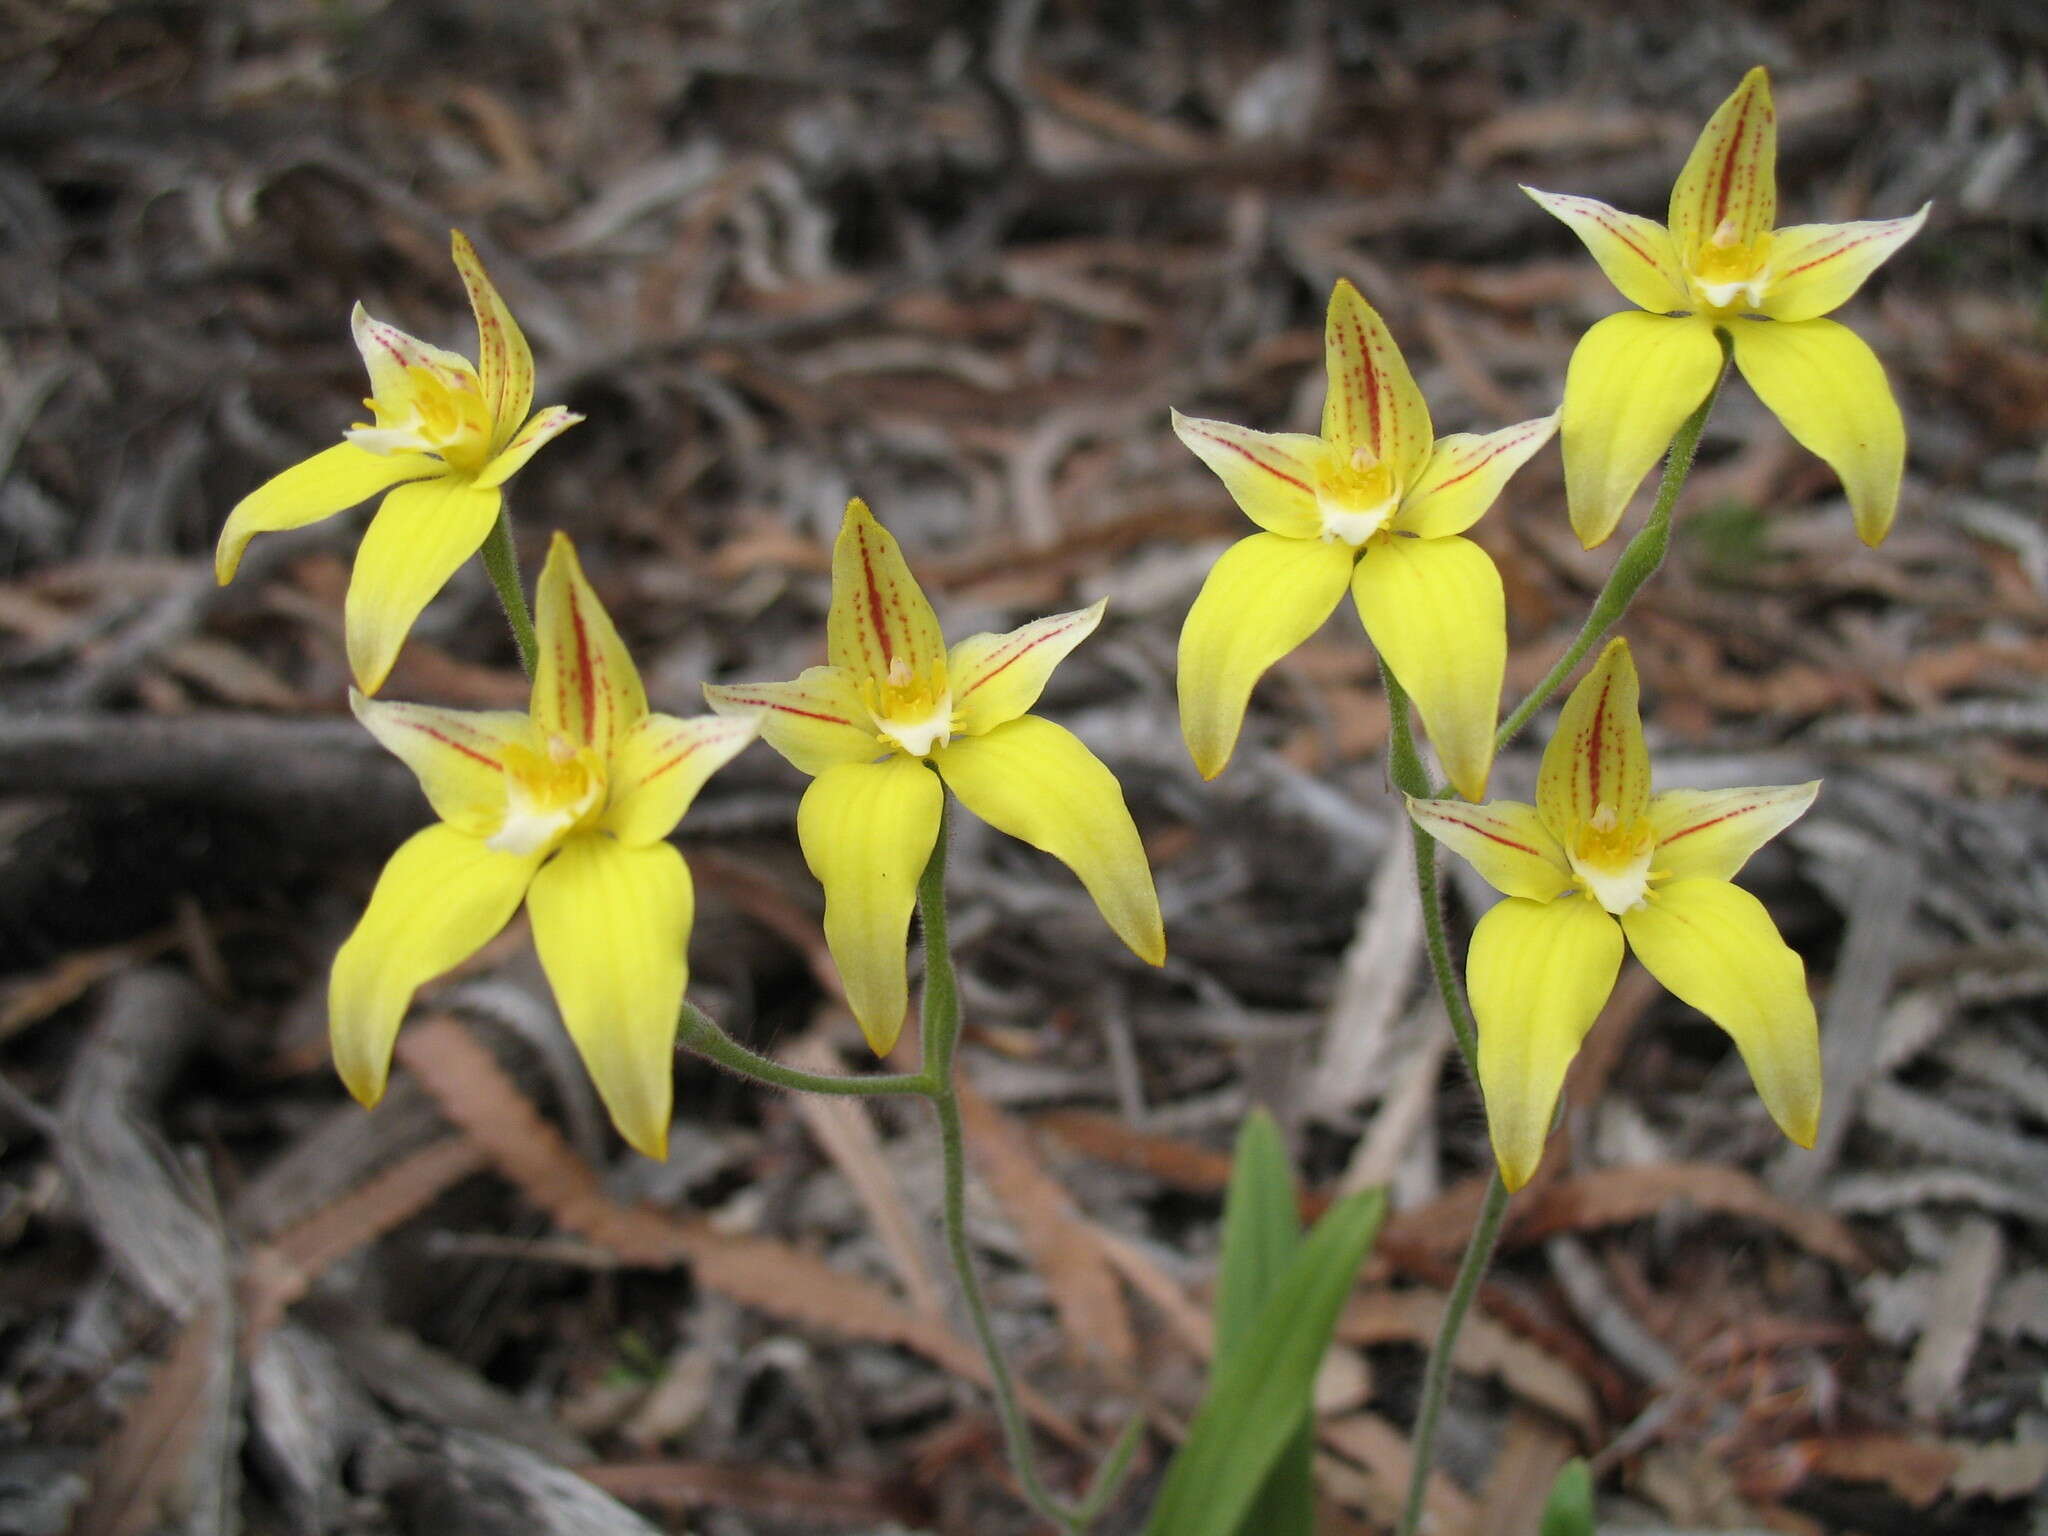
[(771, 1276), (1084, 1288), (1955, 1318)]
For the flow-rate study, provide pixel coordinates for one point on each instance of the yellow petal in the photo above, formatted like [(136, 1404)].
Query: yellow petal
[(388, 352), (867, 830), (1373, 402), (1817, 267), (658, 767), (1829, 389), (1435, 612), (1262, 599), (443, 896), (817, 720), (417, 540), (1539, 974), (1636, 253), (543, 428), (1598, 757), (1729, 186), (1036, 781), (612, 925), (880, 620), (1633, 378), (586, 686), (457, 755), (331, 481), (1504, 840), (1710, 833), (504, 361), (1270, 475), (997, 677), (1465, 476), (1715, 947)]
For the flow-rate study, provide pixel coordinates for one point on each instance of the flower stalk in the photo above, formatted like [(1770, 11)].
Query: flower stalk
[(501, 560)]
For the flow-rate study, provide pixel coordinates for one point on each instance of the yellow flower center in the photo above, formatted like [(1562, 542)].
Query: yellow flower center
[(1611, 858), (1356, 495), (437, 411), (1729, 268), (911, 710), (549, 793)]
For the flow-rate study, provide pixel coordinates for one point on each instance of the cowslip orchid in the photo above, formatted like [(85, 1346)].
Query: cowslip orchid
[(444, 437), (1374, 505), (1720, 266), (1599, 859), (891, 722), (565, 807)]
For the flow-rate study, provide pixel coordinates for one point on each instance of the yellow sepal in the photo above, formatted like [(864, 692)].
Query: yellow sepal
[(417, 540), (1828, 388), (657, 768), (867, 830), (1504, 840), (331, 481), (1598, 757), (1636, 253), (612, 925), (1262, 599), (441, 898), (1538, 974), (1036, 781), (1270, 475), (1465, 475), (456, 754), (880, 621), (1435, 612), (816, 720), (1373, 402), (1729, 187), (504, 361), (1816, 268), (586, 687), (1715, 947), (1710, 833), (544, 427), (996, 678), (1632, 379)]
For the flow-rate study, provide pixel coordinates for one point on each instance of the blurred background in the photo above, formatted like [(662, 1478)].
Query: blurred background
[(960, 260)]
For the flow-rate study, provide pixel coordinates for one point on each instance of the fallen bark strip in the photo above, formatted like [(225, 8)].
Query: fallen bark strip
[(771, 1276)]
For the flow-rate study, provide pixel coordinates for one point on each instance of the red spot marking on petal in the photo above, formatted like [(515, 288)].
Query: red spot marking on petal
[(1024, 648), (1712, 821), (656, 773), (588, 668), (1490, 835), (876, 617), (449, 741), (1486, 459), (1823, 256), (791, 709), (1599, 216), (1594, 733), (1245, 453)]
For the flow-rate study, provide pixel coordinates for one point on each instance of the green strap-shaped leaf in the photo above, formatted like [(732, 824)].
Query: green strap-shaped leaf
[(1569, 1509), (1258, 1398), (1261, 1230)]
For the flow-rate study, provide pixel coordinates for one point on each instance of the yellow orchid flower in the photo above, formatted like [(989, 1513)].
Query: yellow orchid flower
[(1721, 266), (1372, 504), (566, 807), (892, 705), (1596, 858), (446, 434)]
